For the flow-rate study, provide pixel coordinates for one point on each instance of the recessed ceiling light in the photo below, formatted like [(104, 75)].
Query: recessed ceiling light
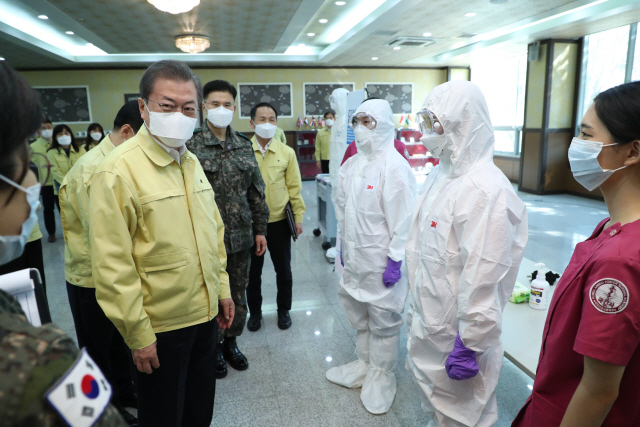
[(426, 34), (301, 44), (375, 58), (341, 3), (397, 48), (311, 34), (70, 32), (43, 17), (470, 14), (1, 58), (89, 44), (323, 21)]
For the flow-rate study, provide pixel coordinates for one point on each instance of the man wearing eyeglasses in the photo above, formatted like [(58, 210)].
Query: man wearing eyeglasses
[(158, 255), (231, 168)]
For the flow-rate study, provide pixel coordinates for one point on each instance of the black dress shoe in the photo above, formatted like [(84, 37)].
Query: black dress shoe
[(129, 418), (284, 320), (221, 365), (232, 354), (254, 322)]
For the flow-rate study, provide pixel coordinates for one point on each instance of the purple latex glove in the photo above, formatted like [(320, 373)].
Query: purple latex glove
[(392, 274), (341, 260), (461, 363)]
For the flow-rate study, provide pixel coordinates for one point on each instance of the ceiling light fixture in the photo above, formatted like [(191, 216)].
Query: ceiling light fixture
[(311, 34), (470, 14), (70, 33), (89, 44), (341, 3), (192, 43), (173, 6), (397, 48), (375, 58), (1, 58), (43, 17), (426, 34), (323, 21), (301, 44)]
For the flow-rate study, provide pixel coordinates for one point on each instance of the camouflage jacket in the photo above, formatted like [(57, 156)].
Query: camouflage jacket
[(234, 174), (31, 361)]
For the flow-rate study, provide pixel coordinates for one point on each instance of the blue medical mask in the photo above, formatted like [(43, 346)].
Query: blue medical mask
[(11, 247)]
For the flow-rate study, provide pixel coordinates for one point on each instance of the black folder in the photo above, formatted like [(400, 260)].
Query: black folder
[(288, 210)]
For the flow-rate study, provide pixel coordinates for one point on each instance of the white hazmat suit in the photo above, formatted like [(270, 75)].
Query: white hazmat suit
[(467, 239), (374, 207), (338, 136)]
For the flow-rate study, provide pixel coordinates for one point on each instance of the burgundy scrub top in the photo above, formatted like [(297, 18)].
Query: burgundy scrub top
[(595, 312)]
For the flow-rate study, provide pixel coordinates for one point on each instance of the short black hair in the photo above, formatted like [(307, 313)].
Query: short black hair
[(171, 70), (46, 120), (129, 114), (328, 112), (254, 110), (219, 86), (618, 109)]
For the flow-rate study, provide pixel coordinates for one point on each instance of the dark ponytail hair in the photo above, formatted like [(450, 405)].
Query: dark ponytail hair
[(618, 109)]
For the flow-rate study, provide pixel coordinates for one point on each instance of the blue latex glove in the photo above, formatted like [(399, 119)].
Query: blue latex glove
[(341, 261), (461, 363), (392, 274)]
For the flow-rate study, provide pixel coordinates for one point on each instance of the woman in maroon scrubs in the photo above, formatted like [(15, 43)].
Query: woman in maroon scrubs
[(589, 368)]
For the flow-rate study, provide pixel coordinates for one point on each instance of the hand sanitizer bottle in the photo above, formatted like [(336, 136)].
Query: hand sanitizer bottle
[(539, 298)]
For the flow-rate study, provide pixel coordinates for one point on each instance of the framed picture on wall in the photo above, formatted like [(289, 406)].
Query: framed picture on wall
[(131, 97), (65, 104), (316, 96), (277, 94), (399, 95)]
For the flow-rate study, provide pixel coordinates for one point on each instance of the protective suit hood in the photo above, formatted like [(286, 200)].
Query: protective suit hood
[(384, 132), (462, 110)]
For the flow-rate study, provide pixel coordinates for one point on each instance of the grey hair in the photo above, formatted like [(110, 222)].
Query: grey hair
[(171, 70)]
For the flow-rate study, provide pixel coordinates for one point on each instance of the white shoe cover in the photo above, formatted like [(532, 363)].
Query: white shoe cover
[(352, 374), (379, 387)]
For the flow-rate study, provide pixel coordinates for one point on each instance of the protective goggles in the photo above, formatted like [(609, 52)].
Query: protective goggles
[(363, 119), (428, 123)]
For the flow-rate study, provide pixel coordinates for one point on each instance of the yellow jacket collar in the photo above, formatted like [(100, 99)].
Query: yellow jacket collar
[(273, 145), (152, 149), (106, 146)]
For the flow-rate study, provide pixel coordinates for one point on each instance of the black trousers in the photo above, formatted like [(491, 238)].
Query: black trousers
[(103, 341), (279, 245), (49, 201), (325, 166), (30, 258), (181, 392)]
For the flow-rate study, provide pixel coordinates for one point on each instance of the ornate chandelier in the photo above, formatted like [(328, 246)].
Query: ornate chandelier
[(192, 43), (174, 6)]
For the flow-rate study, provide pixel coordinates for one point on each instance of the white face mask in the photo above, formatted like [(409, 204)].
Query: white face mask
[(583, 157), (220, 117), (11, 247), (173, 129), (364, 136), (435, 143), (266, 130), (64, 140), (329, 122), (47, 133), (96, 136)]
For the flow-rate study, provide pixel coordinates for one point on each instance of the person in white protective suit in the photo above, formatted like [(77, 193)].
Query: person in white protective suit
[(467, 238), (374, 207), (338, 102)]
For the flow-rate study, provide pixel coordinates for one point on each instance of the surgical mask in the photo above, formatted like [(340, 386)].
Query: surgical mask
[(583, 157), (220, 117), (329, 122), (96, 136), (173, 129), (64, 140), (363, 135), (47, 133), (435, 143), (11, 247), (266, 130)]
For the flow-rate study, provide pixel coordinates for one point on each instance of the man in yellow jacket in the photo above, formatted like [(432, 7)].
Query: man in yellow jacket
[(49, 199), (323, 142), (94, 330), (281, 175), (157, 253)]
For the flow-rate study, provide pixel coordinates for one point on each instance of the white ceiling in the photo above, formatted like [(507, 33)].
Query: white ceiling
[(133, 33)]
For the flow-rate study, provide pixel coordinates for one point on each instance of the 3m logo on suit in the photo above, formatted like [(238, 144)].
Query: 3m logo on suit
[(434, 224), (369, 187)]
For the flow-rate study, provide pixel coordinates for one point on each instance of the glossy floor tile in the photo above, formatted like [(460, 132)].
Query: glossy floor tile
[(285, 384)]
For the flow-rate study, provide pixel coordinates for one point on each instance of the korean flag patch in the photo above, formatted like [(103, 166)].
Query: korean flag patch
[(82, 394)]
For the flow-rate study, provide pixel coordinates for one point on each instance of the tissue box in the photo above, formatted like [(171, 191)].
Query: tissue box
[(520, 294)]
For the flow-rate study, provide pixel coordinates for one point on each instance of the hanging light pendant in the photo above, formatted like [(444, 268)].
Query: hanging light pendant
[(174, 6), (192, 43)]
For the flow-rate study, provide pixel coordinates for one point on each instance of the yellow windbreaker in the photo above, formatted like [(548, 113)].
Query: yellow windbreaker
[(323, 144), (61, 163), (281, 175), (41, 146), (157, 241)]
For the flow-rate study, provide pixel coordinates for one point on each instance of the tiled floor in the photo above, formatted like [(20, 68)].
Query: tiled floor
[(285, 384)]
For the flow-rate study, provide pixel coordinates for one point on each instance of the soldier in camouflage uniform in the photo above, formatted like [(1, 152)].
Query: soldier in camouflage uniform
[(230, 165), (31, 362)]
